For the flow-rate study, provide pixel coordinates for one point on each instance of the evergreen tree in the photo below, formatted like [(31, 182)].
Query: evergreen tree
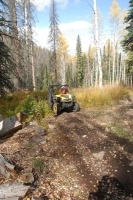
[(54, 38), (6, 61), (127, 43), (6, 66), (42, 63), (14, 43)]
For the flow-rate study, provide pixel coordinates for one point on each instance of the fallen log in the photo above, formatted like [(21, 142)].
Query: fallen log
[(13, 191), (9, 125)]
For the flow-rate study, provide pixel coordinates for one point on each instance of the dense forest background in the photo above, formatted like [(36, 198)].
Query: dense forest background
[(24, 65)]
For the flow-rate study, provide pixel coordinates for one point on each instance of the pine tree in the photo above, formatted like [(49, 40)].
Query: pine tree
[(54, 37), (14, 42), (127, 42), (6, 62)]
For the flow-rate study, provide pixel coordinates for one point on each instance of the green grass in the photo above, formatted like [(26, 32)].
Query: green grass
[(118, 129), (39, 164)]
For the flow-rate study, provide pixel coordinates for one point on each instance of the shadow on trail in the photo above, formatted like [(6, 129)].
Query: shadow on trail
[(74, 127), (109, 188)]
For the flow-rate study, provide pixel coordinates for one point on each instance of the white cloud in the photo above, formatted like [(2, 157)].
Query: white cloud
[(75, 25), (70, 31), (41, 36), (41, 4)]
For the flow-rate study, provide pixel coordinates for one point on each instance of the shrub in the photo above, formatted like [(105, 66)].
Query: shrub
[(39, 164), (34, 104)]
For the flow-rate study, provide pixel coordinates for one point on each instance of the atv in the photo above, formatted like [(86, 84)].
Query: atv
[(60, 99)]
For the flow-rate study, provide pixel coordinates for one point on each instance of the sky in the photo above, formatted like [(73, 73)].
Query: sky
[(75, 17)]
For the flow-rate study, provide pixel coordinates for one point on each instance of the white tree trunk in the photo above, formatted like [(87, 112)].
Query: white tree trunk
[(33, 72), (97, 45), (63, 70), (124, 73)]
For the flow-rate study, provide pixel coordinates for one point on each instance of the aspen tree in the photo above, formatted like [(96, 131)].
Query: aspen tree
[(97, 45), (62, 57), (116, 17)]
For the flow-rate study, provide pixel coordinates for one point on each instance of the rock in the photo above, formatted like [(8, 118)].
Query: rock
[(4, 172), (99, 155), (13, 191), (11, 198), (49, 120), (36, 129), (4, 165), (43, 142), (84, 136), (31, 123), (9, 125), (107, 129), (36, 198), (51, 127), (36, 139), (40, 130), (131, 164), (26, 178)]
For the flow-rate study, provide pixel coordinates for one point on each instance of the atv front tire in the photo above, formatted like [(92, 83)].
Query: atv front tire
[(76, 107)]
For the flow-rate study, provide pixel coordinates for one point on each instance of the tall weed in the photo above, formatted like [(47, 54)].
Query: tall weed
[(95, 97)]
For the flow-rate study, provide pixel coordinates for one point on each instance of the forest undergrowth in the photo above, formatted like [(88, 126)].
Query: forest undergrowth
[(36, 106)]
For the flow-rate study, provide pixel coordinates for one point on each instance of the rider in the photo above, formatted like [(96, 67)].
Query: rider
[(64, 90)]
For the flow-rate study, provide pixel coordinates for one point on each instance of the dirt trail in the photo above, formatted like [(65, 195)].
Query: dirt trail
[(102, 162), (84, 159)]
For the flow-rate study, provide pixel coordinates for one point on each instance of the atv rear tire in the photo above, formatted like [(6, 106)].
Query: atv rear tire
[(56, 109), (76, 107)]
